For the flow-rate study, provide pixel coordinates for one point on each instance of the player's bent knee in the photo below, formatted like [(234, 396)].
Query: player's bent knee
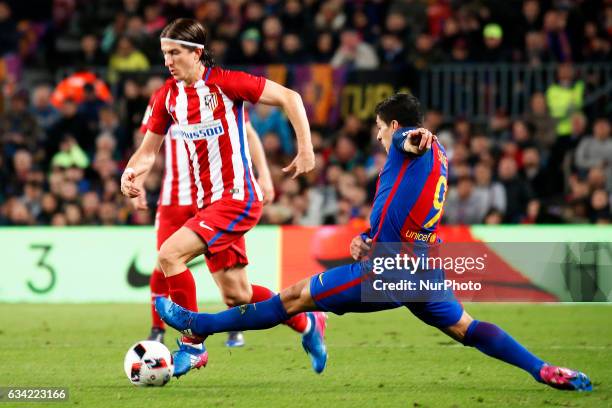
[(236, 299), (169, 259), (459, 329), (297, 298)]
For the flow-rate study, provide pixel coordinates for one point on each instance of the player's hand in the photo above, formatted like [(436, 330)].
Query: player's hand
[(128, 187), (140, 203), (267, 188), (359, 247), (427, 138), (303, 163)]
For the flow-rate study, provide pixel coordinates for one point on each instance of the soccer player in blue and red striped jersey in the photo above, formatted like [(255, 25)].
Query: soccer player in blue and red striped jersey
[(407, 208)]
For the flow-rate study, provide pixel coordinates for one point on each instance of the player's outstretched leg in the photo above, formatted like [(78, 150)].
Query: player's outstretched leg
[(183, 245), (495, 342), (255, 316)]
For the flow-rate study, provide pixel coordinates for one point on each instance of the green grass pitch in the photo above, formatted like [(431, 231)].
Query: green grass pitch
[(387, 359)]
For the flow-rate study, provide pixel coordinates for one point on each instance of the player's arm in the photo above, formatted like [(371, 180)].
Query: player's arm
[(140, 202), (140, 163), (408, 143), (291, 102), (259, 160)]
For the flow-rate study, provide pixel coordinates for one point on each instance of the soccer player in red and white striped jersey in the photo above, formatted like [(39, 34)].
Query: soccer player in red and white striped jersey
[(206, 104), (176, 204)]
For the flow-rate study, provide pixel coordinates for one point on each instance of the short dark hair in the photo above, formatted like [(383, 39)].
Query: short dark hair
[(403, 107), (188, 29)]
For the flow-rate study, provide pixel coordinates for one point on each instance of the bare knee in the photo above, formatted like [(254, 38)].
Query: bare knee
[(236, 297), (459, 329), (169, 259), (297, 299)]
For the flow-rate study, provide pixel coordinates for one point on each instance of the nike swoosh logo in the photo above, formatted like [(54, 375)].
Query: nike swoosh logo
[(137, 279), (203, 225)]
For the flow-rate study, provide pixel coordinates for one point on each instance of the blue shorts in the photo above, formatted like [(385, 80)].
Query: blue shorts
[(338, 290)]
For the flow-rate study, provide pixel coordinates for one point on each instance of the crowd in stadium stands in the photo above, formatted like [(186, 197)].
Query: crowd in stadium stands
[(61, 166)]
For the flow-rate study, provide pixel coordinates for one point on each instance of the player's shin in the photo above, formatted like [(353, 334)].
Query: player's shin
[(254, 316), (495, 342), (159, 287), (182, 289)]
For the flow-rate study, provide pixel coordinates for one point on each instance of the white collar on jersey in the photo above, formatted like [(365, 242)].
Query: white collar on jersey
[(187, 43)]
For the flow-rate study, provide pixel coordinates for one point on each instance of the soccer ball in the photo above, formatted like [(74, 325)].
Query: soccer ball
[(148, 363)]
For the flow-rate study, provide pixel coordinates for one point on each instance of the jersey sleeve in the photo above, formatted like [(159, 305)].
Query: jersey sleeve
[(240, 86), (398, 140), (147, 114), (159, 119)]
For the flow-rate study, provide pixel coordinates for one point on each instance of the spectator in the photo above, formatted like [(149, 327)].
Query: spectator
[(425, 52), (70, 154), (113, 32), (266, 119), (90, 56), (391, 51), (8, 30), (49, 207), (464, 205), (90, 107), (494, 49), (294, 16), (272, 32), (249, 52), (126, 59), (531, 18), (45, 114), (600, 207), (354, 53), (558, 42), (517, 190), (325, 46), (153, 19), (19, 127), (564, 98), (71, 122), (330, 16), (490, 193), (292, 52), (595, 151), (493, 217), (109, 123), (536, 52), (345, 153), (534, 173), (543, 125)]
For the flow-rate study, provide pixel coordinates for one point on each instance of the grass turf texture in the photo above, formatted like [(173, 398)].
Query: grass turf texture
[(382, 359)]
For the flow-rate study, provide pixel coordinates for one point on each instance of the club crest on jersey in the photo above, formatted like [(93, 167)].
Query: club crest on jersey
[(199, 131), (210, 101)]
